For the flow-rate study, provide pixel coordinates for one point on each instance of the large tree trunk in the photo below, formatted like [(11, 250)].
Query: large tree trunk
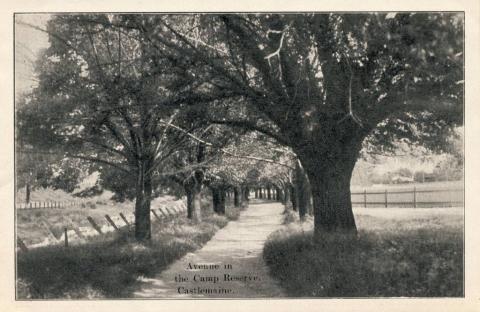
[(27, 193), (215, 199), (330, 174), (193, 188), (286, 194), (308, 196), (218, 198), (280, 194), (301, 191), (246, 194), (293, 196), (236, 197), (269, 193), (142, 204)]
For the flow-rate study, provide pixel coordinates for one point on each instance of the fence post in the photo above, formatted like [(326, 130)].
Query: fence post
[(94, 225), (124, 219), (155, 214), (111, 222), (75, 229), (163, 213), (364, 198), (386, 198), (414, 197), (66, 236)]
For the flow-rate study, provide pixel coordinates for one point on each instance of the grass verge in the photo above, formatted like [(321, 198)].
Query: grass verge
[(108, 267), (384, 260)]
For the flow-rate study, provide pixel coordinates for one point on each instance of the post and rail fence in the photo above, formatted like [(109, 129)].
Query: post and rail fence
[(409, 198), (49, 204), (73, 233)]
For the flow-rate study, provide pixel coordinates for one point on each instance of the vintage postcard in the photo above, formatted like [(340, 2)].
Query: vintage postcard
[(275, 156)]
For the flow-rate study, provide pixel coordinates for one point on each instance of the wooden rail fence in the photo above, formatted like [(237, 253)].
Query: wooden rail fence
[(413, 198), (74, 233), (48, 204)]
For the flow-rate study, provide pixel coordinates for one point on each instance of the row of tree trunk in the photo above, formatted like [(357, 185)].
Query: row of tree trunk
[(298, 193)]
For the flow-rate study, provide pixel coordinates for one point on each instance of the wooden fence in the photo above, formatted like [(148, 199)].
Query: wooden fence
[(48, 204), (413, 198), (79, 234)]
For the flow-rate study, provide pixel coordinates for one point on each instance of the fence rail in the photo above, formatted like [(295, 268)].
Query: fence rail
[(415, 198), (75, 234), (48, 204)]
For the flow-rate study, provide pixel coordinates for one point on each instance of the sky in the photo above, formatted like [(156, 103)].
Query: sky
[(28, 43)]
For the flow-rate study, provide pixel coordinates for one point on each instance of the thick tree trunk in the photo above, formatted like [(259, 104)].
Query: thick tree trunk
[(193, 188), (142, 205), (269, 193), (222, 201), (246, 194), (27, 193), (308, 196), (215, 199), (260, 193), (286, 195), (301, 191), (218, 199), (256, 193), (280, 194), (236, 197), (293, 197), (330, 176)]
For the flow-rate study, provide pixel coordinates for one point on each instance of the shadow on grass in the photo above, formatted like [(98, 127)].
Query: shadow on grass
[(109, 266), (412, 263)]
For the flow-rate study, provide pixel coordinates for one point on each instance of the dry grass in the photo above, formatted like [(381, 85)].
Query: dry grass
[(398, 252), (32, 231), (110, 265)]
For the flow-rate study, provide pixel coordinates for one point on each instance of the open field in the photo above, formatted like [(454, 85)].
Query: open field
[(31, 226), (398, 252)]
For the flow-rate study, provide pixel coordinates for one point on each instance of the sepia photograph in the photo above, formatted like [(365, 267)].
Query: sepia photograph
[(239, 155)]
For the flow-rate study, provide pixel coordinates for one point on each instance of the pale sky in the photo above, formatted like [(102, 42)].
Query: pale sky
[(28, 42)]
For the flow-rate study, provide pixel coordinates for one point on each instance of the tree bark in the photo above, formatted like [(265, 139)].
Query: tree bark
[(215, 199), (218, 199), (142, 204), (246, 194), (329, 174), (301, 191), (293, 197), (256, 193), (260, 193), (269, 193), (27, 193), (193, 188), (222, 201), (280, 194), (286, 194), (236, 197)]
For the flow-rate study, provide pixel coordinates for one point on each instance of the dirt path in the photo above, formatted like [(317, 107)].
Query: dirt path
[(231, 263)]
